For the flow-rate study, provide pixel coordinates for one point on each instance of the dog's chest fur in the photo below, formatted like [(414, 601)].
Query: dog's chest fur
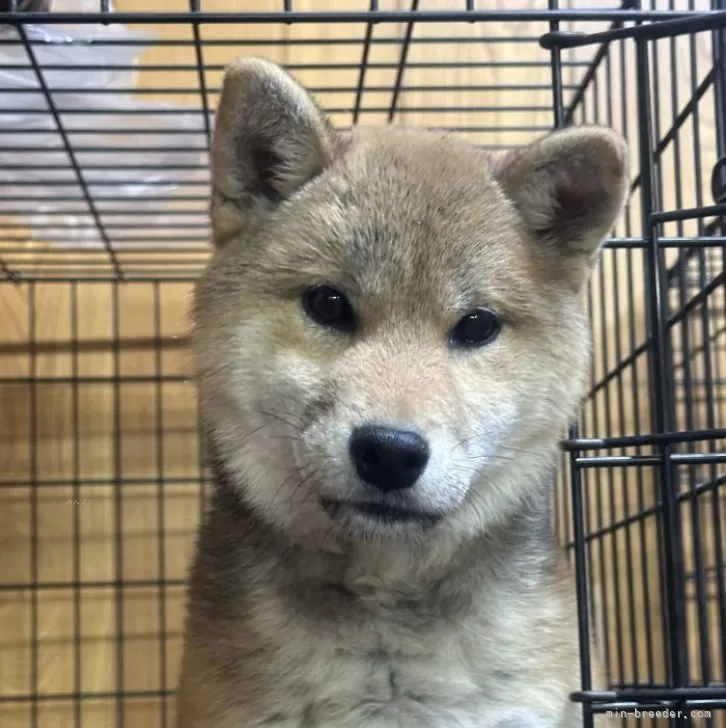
[(293, 640)]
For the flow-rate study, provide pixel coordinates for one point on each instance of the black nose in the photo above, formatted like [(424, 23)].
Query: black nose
[(388, 458)]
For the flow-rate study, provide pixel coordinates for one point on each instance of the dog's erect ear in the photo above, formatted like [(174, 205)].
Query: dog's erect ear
[(569, 189), (270, 138)]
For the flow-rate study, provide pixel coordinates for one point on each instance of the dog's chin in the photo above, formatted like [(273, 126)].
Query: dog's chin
[(370, 519)]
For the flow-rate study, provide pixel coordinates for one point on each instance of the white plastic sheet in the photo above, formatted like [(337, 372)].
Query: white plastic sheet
[(129, 151)]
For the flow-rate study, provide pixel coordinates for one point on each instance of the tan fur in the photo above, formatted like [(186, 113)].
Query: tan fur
[(300, 619)]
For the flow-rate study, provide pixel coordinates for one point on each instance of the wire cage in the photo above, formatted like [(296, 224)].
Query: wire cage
[(105, 117)]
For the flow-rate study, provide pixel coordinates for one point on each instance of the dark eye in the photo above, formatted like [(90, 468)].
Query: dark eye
[(329, 307), (477, 328)]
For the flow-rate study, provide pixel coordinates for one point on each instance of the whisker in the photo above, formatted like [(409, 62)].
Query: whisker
[(280, 418), (294, 438), (539, 451), (483, 458), (297, 473), (303, 483), (248, 435)]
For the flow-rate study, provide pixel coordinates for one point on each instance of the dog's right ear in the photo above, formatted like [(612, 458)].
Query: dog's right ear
[(270, 139)]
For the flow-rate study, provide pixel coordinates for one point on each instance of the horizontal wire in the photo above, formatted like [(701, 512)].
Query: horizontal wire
[(354, 16)]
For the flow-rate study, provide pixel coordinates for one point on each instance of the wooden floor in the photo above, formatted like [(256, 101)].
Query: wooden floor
[(100, 468)]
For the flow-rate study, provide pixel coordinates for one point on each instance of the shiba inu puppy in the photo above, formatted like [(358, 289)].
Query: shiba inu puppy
[(390, 340)]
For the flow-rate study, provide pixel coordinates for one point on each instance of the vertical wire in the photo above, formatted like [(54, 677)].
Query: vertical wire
[(34, 575), (360, 87), (635, 394), (645, 156), (718, 40), (558, 107), (77, 620), (594, 478), (608, 475), (576, 484), (160, 503), (398, 84), (620, 389), (704, 641), (586, 506), (620, 398), (685, 352), (195, 8), (118, 506), (685, 324), (558, 114), (558, 122), (660, 395), (599, 523)]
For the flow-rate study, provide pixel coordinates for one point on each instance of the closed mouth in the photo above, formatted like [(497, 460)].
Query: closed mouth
[(380, 512)]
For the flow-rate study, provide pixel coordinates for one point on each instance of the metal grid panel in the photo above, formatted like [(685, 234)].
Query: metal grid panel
[(645, 465), (640, 498), (109, 485), (70, 212)]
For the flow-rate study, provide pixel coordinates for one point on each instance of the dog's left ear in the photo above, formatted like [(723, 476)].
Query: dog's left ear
[(270, 139), (569, 189)]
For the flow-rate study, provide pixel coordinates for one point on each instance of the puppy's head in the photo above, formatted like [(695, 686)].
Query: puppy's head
[(390, 334)]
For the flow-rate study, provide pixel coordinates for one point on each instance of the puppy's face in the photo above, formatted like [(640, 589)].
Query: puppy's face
[(390, 335)]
